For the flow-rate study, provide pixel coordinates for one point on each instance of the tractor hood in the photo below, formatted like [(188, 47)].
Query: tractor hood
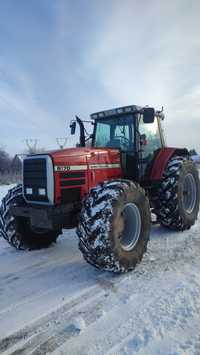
[(73, 173), (82, 156)]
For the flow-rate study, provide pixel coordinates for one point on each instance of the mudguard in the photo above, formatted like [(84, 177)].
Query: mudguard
[(162, 159)]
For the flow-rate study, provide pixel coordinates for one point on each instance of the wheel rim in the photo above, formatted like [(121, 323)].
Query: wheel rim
[(132, 226), (189, 193)]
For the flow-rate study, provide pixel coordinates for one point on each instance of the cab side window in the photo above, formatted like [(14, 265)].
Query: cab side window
[(102, 134), (152, 137)]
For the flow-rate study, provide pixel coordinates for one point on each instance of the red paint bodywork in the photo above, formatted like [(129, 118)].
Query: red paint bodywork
[(86, 157), (160, 163), (162, 159)]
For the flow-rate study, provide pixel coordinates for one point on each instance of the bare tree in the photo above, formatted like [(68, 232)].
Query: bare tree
[(31, 145), (10, 168), (5, 161)]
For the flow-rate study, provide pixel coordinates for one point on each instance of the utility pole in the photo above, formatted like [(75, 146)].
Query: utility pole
[(62, 141)]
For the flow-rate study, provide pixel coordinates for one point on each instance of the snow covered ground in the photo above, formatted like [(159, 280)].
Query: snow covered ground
[(196, 158), (51, 301)]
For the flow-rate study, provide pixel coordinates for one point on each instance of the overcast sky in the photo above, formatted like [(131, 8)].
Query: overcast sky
[(59, 58)]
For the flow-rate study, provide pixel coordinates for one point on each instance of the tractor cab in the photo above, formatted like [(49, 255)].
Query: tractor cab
[(135, 131)]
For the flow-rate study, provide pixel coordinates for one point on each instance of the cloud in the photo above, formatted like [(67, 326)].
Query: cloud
[(78, 58), (22, 115), (148, 53)]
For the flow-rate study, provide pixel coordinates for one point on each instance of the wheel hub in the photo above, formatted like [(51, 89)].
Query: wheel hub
[(132, 226), (189, 193)]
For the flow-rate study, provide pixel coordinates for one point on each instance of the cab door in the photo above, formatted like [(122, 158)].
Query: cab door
[(150, 142)]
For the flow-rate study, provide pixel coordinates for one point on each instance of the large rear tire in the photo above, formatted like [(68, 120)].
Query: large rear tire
[(114, 226), (17, 231), (176, 201)]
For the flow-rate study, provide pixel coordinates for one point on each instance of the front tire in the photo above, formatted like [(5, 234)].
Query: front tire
[(17, 231), (176, 201), (114, 226)]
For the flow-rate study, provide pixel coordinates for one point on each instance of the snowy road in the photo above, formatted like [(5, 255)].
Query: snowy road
[(51, 301)]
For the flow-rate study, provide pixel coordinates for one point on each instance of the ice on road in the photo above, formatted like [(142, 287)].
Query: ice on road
[(53, 302)]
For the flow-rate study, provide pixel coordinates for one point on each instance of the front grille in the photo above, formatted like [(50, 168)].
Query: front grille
[(72, 175), (77, 182), (35, 179), (70, 183)]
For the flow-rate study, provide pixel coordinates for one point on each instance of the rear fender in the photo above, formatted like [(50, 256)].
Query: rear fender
[(161, 160)]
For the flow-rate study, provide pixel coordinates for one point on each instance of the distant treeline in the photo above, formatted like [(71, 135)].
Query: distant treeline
[(10, 168)]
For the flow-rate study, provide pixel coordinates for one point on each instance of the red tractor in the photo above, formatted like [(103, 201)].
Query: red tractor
[(108, 191)]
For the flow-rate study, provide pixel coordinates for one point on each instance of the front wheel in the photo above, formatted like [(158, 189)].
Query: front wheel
[(17, 231), (114, 226)]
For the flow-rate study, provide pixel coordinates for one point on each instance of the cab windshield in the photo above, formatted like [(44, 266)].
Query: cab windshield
[(115, 132)]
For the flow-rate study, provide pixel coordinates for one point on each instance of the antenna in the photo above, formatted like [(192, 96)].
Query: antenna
[(62, 141)]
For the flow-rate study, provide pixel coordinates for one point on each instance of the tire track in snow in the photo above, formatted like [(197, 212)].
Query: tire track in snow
[(66, 332), (53, 330), (51, 256), (176, 260), (119, 293), (70, 272), (139, 324), (42, 325)]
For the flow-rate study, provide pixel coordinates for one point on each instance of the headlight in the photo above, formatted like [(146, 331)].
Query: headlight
[(41, 192), (29, 191)]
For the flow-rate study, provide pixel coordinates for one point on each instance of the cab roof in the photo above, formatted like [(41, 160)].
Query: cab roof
[(116, 111), (123, 110)]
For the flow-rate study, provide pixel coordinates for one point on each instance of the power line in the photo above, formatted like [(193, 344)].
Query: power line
[(62, 141)]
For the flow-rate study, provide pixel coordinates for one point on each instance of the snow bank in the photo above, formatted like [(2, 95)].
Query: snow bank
[(196, 158)]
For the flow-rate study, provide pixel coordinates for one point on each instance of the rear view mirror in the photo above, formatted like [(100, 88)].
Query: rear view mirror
[(148, 115), (73, 127)]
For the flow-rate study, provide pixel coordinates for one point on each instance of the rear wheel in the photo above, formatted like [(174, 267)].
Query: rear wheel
[(114, 226), (176, 201), (17, 231)]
